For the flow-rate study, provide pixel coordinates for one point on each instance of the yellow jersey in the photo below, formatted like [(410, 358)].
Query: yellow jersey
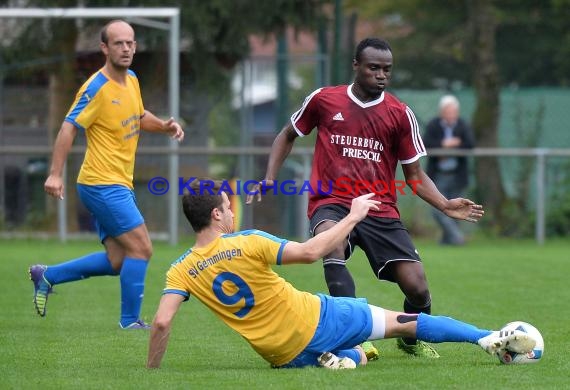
[(233, 277), (110, 115)]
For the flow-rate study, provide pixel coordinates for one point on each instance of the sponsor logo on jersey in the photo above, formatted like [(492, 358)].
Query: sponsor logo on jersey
[(338, 117)]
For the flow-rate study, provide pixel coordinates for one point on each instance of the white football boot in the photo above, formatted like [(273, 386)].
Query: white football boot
[(332, 362), (510, 340)]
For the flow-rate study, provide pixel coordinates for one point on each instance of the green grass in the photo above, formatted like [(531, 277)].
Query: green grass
[(78, 344)]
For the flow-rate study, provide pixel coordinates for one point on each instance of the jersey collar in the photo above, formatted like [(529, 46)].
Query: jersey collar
[(361, 104)]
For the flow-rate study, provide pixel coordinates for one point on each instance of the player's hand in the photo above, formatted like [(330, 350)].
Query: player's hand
[(174, 130), (460, 208), (362, 205), (257, 190), (54, 186), (452, 142)]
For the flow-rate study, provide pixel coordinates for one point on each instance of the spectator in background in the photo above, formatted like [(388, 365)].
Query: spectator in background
[(449, 173)]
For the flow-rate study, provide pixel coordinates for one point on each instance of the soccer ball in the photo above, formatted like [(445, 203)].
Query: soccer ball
[(508, 357)]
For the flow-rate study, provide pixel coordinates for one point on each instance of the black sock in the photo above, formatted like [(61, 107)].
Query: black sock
[(409, 308), (339, 281)]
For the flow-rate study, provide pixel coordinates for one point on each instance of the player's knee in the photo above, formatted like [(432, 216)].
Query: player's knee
[(415, 289), (146, 252), (336, 285), (161, 323), (341, 288), (419, 297), (339, 281), (143, 250)]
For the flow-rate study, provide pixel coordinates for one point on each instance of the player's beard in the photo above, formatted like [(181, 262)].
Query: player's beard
[(371, 90), (371, 93), (121, 66), (374, 91)]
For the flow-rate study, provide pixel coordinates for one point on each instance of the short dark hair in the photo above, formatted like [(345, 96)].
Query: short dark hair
[(198, 205), (370, 42), (104, 35)]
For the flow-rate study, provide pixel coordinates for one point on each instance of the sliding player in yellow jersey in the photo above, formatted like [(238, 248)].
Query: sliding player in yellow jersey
[(231, 274)]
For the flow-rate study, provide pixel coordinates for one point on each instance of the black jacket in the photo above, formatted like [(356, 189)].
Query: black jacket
[(433, 138)]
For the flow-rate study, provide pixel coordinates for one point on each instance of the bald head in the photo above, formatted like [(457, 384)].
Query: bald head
[(115, 25), (118, 45)]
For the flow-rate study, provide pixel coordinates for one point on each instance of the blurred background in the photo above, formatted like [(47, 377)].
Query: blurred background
[(245, 66)]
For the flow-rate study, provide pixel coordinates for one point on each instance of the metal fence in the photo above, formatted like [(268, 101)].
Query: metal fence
[(164, 212)]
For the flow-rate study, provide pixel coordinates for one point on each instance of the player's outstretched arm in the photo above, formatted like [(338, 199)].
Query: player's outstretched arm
[(160, 330), (424, 187), (280, 149), (466, 209), (323, 243), (153, 124), (63, 142)]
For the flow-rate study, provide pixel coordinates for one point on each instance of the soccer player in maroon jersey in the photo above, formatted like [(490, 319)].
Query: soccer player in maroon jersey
[(362, 134)]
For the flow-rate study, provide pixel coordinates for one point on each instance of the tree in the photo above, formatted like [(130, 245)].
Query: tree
[(218, 31), (55, 40), (214, 39), (540, 30), (480, 43), (481, 50), (215, 32), (464, 33)]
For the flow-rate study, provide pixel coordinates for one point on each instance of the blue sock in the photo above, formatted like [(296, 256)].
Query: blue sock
[(132, 289), (439, 329), (94, 264)]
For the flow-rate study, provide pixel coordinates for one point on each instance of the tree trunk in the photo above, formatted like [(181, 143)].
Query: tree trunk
[(481, 50)]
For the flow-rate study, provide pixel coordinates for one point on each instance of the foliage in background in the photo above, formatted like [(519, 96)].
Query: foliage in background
[(538, 27), (216, 32), (478, 43), (214, 39), (558, 213), (464, 32), (429, 39), (224, 123), (528, 126)]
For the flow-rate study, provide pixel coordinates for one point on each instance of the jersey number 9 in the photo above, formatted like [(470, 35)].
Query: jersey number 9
[(243, 292)]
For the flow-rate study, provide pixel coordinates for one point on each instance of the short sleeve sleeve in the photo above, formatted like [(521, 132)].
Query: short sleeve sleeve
[(307, 117), (411, 146), (175, 284), (84, 110), (268, 246)]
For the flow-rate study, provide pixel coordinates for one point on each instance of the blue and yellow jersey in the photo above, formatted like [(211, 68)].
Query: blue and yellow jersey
[(233, 277), (110, 115)]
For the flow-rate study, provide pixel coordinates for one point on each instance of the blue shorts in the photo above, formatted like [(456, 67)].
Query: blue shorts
[(114, 208), (343, 324)]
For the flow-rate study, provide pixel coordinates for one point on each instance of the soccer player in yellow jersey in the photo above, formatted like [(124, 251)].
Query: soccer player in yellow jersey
[(231, 274), (109, 110)]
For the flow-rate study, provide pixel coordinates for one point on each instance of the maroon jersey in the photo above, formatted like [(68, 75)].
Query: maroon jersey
[(358, 147)]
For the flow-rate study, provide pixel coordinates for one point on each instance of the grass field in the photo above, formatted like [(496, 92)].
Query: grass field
[(79, 345)]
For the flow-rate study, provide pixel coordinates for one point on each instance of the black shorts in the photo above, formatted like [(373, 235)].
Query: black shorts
[(384, 240)]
